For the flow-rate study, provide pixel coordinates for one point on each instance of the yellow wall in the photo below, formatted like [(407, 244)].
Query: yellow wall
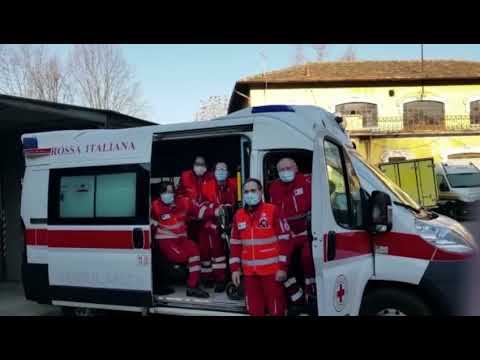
[(438, 147), (457, 98)]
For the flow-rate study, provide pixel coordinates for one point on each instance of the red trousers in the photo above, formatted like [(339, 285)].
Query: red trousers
[(295, 293), (183, 251), (264, 292), (212, 253)]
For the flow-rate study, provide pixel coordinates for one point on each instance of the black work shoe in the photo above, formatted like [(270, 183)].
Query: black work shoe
[(220, 287), (296, 310), (197, 292), (207, 284)]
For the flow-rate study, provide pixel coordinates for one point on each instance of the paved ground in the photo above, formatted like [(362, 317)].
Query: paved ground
[(13, 302)]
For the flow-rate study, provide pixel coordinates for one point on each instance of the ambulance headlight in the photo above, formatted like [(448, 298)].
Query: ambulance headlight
[(447, 239)]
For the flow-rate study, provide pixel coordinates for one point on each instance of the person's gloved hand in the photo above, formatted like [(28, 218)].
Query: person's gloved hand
[(218, 211), (280, 276), (236, 275)]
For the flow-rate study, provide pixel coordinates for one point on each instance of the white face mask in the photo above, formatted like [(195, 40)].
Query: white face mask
[(199, 170)]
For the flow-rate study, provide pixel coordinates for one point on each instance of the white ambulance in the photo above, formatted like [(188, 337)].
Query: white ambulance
[(86, 203)]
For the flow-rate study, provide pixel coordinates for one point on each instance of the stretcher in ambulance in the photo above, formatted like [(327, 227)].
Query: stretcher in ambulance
[(86, 209)]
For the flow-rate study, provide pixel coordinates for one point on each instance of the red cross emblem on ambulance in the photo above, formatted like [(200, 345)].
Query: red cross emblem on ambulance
[(340, 293)]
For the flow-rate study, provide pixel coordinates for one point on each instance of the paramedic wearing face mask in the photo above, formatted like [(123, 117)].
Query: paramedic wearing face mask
[(169, 216), (258, 250), (292, 194), (192, 185), (219, 193)]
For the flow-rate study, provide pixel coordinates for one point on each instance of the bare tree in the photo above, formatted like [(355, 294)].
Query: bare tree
[(350, 54), (32, 71), (214, 106), (299, 55), (104, 80), (321, 51)]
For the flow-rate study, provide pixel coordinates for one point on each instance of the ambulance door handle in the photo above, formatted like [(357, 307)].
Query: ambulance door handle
[(138, 238), (331, 246)]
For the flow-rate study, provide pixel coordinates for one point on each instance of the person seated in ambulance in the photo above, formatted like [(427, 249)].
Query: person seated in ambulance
[(219, 195), (170, 214), (192, 185), (259, 249), (292, 193)]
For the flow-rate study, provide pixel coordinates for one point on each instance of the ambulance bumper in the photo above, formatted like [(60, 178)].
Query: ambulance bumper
[(447, 285)]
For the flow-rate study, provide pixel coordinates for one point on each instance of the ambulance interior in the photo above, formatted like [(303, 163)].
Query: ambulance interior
[(169, 159)]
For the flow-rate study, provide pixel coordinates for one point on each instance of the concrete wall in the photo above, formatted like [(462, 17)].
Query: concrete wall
[(11, 169)]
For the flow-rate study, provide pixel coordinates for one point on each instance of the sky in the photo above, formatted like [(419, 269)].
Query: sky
[(176, 78)]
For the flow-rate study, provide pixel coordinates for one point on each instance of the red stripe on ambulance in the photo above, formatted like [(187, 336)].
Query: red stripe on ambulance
[(85, 239)]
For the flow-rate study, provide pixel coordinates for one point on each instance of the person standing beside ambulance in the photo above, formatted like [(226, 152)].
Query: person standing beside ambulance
[(258, 250), (293, 195)]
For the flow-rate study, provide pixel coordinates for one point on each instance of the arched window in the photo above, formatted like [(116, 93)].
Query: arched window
[(475, 112), (367, 111), (424, 114)]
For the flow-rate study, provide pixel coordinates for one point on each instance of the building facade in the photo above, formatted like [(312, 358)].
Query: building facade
[(392, 109)]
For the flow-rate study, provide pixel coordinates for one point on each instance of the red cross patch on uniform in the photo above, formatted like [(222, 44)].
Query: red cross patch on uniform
[(263, 223)]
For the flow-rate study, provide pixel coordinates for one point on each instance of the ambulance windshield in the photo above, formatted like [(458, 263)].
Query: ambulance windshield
[(401, 196)]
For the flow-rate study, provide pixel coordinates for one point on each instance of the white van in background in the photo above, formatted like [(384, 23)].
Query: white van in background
[(86, 204), (459, 189)]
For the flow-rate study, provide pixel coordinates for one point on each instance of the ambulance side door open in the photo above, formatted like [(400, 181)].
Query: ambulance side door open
[(342, 250), (99, 226)]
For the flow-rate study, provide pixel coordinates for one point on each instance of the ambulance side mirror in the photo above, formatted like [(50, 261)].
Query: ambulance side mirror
[(380, 212)]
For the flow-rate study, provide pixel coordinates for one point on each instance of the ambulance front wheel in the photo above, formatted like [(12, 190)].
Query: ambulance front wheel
[(394, 302)]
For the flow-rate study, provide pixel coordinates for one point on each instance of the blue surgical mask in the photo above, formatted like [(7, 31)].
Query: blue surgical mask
[(251, 198), (286, 175), (221, 175), (167, 197)]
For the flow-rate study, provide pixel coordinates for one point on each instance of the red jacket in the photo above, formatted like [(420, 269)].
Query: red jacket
[(294, 200), (259, 241), (170, 220), (221, 194), (192, 186)]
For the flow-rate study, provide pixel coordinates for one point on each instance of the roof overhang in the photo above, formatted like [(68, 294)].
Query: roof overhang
[(22, 115)]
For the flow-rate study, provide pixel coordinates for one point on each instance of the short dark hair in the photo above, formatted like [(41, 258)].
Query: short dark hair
[(162, 187), (256, 181), (200, 157)]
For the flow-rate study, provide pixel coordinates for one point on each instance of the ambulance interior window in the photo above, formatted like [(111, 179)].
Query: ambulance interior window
[(76, 196), (303, 159), (344, 187), (115, 195), (99, 195)]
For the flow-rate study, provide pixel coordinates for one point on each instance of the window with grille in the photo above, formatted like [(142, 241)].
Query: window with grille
[(475, 112), (424, 114), (367, 111)]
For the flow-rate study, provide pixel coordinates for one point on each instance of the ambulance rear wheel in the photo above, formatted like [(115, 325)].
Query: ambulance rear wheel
[(393, 302)]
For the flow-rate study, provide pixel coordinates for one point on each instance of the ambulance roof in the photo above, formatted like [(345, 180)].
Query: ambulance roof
[(299, 117)]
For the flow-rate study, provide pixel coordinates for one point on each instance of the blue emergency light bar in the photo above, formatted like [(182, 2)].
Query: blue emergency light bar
[(272, 108), (30, 143)]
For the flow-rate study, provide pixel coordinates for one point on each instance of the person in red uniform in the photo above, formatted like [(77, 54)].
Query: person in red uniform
[(169, 216), (219, 193), (258, 248), (192, 185), (293, 195)]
